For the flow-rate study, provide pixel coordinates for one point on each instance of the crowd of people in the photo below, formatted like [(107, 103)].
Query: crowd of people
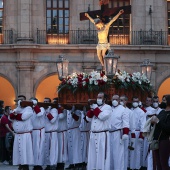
[(105, 137)]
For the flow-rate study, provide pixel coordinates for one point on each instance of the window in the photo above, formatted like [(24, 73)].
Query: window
[(1, 16), (58, 16), (123, 23), (119, 30), (168, 6)]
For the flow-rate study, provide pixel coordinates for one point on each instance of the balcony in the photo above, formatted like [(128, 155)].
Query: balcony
[(115, 37), (90, 37)]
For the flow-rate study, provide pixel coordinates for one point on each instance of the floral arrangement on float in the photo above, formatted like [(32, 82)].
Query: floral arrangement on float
[(98, 81)]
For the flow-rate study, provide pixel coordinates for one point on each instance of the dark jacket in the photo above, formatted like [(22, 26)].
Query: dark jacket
[(163, 125)]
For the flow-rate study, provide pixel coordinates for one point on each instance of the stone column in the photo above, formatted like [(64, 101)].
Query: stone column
[(24, 21), (25, 67)]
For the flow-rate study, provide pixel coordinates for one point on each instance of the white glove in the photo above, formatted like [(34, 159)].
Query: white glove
[(73, 109), (34, 102), (15, 111), (93, 106), (84, 110), (19, 101), (48, 109), (125, 137)]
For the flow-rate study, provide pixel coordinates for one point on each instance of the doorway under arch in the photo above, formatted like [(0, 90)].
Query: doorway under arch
[(164, 88), (7, 92), (47, 88)]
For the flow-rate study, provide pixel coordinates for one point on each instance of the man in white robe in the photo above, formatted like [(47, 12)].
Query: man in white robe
[(124, 102), (62, 138), (22, 125), (51, 136), (85, 136), (99, 144), (73, 135), (119, 130), (137, 137), (38, 135)]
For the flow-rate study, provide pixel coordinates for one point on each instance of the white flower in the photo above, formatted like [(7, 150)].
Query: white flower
[(96, 82), (84, 83)]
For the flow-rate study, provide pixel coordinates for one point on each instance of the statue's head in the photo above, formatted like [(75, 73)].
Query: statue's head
[(99, 24)]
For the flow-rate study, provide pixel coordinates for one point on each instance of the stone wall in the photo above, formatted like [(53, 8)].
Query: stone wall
[(26, 63)]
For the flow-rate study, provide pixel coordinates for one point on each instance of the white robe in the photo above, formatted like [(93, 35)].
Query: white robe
[(51, 138), (38, 137), (85, 136), (136, 154), (126, 142), (22, 148), (74, 142), (119, 120), (99, 144), (62, 138)]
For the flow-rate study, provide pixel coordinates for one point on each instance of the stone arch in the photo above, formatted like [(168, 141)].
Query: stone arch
[(8, 91), (163, 87), (162, 76), (46, 86)]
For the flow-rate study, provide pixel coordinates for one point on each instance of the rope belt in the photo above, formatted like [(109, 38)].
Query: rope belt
[(62, 131), (73, 128), (39, 129), (99, 131), (20, 133), (111, 131), (51, 131)]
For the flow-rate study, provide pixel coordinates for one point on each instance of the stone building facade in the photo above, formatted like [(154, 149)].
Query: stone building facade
[(28, 55)]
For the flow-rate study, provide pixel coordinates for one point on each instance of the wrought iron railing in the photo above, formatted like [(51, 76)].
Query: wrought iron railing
[(90, 37), (6, 37), (149, 37), (115, 37)]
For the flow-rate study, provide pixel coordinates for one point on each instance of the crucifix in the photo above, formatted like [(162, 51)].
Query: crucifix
[(100, 18)]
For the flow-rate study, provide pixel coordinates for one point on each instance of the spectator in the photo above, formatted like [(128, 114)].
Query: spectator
[(5, 127), (1, 108), (162, 133)]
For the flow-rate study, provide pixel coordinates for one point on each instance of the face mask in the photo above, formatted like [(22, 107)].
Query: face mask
[(99, 102), (155, 104), (114, 103), (122, 103), (135, 104)]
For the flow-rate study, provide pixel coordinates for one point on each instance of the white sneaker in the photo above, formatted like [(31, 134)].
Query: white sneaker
[(6, 163)]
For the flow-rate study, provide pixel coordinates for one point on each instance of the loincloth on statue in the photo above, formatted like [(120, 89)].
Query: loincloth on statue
[(103, 46)]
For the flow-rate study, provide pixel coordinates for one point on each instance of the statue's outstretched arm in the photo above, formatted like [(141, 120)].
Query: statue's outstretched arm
[(115, 17), (91, 19)]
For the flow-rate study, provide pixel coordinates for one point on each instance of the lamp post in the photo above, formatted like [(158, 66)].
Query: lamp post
[(62, 67), (110, 64), (147, 68)]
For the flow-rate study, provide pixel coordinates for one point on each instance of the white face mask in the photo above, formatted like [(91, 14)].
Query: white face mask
[(135, 104), (155, 104), (99, 102), (122, 103), (114, 103)]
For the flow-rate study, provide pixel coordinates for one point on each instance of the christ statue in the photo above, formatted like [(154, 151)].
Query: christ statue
[(102, 31)]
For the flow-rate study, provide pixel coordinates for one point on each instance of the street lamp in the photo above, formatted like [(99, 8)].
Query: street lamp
[(147, 68), (110, 64), (62, 67)]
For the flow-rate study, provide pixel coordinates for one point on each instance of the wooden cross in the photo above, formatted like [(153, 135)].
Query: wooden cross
[(104, 13)]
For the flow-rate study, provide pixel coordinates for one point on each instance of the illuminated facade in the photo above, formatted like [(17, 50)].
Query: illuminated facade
[(34, 33)]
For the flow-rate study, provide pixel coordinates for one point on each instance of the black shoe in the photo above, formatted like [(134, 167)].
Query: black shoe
[(71, 166), (60, 166), (47, 168)]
